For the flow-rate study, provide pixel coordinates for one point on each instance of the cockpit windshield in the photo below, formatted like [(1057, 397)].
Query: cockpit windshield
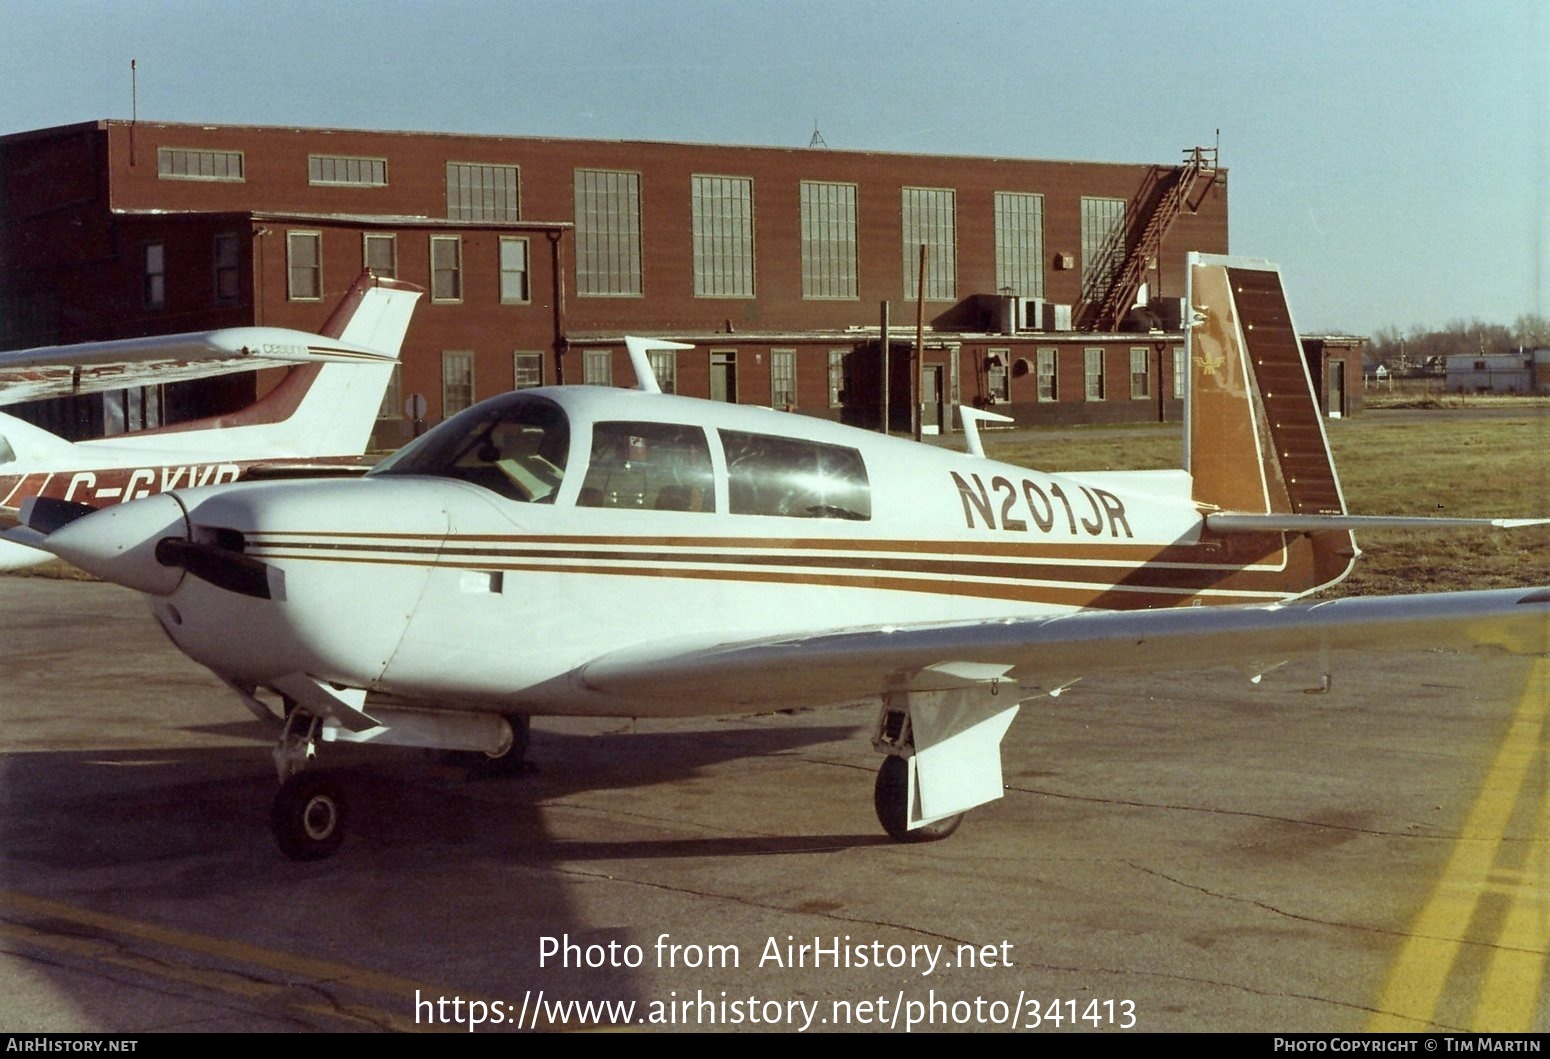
[(515, 445)]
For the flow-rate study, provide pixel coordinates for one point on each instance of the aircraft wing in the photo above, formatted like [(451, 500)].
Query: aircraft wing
[(1048, 653), (90, 367)]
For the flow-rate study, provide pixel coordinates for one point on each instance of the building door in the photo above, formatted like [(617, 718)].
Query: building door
[(1335, 391), (723, 375), (931, 399)]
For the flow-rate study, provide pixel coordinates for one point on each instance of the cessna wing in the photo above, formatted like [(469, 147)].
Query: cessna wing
[(95, 367)]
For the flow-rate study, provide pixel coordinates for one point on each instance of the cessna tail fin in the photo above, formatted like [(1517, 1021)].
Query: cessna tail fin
[(330, 409), (1255, 442)]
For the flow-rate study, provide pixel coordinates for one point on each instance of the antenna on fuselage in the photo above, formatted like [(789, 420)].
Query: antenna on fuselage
[(971, 419), (645, 378)]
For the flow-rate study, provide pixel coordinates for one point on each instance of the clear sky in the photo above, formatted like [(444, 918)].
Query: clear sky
[(1392, 156)]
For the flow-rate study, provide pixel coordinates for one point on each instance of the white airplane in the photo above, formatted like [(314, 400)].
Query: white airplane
[(320, 413), (602, 552)]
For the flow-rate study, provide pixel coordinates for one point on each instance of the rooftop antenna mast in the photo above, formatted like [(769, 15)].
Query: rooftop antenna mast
[(134, 108), (817, 140)]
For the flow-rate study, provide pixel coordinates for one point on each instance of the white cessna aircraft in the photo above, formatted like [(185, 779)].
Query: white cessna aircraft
[(321, 412), (594, 551)]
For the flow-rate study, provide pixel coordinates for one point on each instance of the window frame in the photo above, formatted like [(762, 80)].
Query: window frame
[(1095, 386), (153, 277), (829, 212), (1051, 356), (1145, 374), (439, 297), (391, 238), (314, 165), (451, 358), (526, 271), (292, 237)]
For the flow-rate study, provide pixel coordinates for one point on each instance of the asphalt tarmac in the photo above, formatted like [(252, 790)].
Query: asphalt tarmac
[(1187, 852)]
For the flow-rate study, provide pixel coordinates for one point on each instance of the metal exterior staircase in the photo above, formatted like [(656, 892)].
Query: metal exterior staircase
[(1197, 173)]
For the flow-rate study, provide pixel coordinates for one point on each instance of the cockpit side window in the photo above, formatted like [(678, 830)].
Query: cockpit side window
[(515, 445), (771, 475), (650, 466)]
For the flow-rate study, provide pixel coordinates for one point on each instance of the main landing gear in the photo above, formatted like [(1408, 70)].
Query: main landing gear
[(892, 795), (310, 812)]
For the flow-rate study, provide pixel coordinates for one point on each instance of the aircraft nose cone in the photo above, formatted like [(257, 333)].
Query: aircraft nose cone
[(118, 543)]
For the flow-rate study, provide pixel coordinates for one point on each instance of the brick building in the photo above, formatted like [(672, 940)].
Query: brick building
[(537, 255)]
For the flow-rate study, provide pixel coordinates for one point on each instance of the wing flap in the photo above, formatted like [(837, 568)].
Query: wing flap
[(1050, 652)]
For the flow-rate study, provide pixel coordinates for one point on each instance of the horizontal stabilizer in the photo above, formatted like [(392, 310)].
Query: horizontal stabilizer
[(1232, 522)]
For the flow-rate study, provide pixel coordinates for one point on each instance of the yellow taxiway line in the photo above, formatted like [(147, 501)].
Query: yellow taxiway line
[(1489, 865)]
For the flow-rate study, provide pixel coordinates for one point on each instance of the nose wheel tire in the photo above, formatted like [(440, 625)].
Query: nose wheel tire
[(308, 816), (891, 797)]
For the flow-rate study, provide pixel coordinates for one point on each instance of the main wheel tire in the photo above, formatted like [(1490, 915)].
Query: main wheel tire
[(891, 798), (307, 816)]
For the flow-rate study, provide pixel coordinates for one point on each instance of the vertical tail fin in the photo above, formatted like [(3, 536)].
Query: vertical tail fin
[(1255, 440), (330, 409)]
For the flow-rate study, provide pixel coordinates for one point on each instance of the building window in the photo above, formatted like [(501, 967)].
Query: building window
[(1140, 373), (178, 163), (527, 370), (1020, 244), (478, 192), (929, 220), (597, 367), (228, 269), (998, 377), (1048, 359), (457, 382), (1103, 245), (1094, 358), (664, 365), (722, 209), (393, 397), (1180, 367), (783, 378), (304, 260), (379, 253), (607, 233), (153, 275), (514, 279), (446, 268), (828, 240), (836, 377), (347, 171)]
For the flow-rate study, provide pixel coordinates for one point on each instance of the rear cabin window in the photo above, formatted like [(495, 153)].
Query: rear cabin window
[(771, 475), (650, 466)]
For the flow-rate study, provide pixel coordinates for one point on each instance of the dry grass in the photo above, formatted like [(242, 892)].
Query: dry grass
[(1466, 467)]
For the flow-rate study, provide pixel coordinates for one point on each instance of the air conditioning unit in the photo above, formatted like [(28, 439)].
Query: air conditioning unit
[(1057, 317)]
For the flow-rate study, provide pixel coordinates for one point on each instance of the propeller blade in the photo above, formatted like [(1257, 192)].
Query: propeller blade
[(219, 566)]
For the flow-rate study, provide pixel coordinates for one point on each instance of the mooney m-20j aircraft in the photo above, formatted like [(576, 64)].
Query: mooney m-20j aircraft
[(591, 551), (320, 413)]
